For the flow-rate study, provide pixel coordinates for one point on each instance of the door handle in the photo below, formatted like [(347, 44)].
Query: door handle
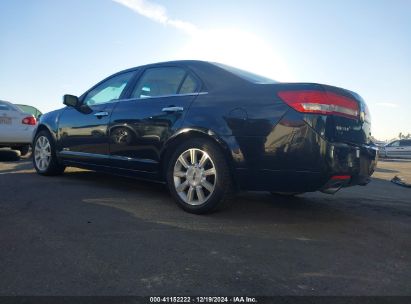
[(101, 114), (173, 109)]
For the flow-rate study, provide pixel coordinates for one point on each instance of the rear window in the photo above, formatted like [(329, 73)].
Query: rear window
[(30, 110), (251, 77), (5, 106)]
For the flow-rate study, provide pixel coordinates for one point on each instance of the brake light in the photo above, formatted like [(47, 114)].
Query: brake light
[(321, 102), (29, 120), (340, 177)]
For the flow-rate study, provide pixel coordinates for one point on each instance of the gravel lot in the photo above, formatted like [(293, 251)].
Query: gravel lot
[(86, 233)]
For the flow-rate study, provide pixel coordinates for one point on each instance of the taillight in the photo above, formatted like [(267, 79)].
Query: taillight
[(29, 120), (340, 177), (321, 102)]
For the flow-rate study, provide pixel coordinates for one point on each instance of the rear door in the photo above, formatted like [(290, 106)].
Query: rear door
[(405, 148), (140, 125)]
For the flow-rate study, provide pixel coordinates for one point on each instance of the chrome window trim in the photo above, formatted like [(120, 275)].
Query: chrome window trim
[(166, 96)]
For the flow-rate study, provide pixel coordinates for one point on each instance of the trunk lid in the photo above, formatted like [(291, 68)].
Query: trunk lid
[(342, 129)]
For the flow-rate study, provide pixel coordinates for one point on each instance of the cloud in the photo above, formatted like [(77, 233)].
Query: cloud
[(232, 46), (387, 104), (240, 48), (158, 13)]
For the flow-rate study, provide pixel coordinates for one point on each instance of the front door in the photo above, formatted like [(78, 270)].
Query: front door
[(141, 125), (83, 132)]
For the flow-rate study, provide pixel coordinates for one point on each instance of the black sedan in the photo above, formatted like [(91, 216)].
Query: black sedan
[(208, 130)]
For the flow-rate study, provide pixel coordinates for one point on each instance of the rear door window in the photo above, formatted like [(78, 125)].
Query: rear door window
[(189, 85), (164, 81)]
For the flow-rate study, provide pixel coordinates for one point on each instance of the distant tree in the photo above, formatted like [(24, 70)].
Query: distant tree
[(403, 136)]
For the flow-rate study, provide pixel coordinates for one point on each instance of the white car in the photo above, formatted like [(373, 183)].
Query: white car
[(397, 149), (16, 127)]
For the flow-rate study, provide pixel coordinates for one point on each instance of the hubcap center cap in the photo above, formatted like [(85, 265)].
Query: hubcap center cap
[(194, 175), (43, 153)]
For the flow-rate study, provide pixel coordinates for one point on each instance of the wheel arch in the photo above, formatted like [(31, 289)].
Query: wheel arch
[(44, 127), (189, 133)]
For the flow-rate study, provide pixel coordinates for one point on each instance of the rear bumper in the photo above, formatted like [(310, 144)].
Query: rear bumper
[(18, 136), (358, 162), (337, 159)]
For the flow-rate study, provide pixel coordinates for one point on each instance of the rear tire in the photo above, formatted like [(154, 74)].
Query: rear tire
[(23, 150), (45, 160), (198, 177)]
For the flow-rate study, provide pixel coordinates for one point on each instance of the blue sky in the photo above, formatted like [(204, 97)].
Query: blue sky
[(49, 48)]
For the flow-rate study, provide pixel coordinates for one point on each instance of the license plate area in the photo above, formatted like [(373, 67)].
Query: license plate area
[(5, 120)]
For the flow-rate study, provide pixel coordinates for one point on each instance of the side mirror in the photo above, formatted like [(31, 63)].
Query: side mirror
[(71, 101)]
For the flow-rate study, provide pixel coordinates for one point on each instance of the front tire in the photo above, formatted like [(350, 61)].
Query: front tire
[(198, 177), (45, 160)]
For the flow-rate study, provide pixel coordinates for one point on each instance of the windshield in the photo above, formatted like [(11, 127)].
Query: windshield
[(245, 74)]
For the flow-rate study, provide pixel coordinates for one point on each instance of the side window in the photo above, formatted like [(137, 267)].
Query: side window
[(189, 85), (159, 82), (109, 90), (395, 144), (405, 143)]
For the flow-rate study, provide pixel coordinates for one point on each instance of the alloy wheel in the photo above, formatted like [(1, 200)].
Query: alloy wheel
[(195, 176), (42, 153)]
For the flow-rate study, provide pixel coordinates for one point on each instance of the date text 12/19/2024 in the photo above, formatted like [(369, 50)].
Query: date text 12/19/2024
[(186, 299)]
